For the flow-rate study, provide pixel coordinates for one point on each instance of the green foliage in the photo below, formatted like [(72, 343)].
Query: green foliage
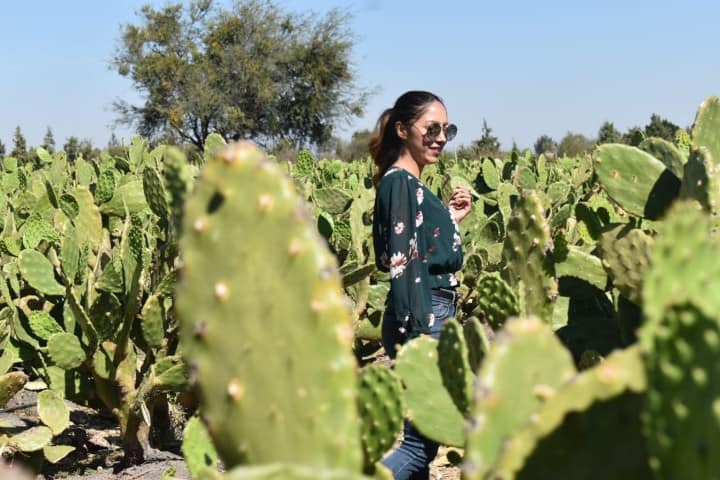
[(544, 145), (250, 71), (608, 134), (574, 144)]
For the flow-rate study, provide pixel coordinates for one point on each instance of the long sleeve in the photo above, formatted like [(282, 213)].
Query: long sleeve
[(400, 227)]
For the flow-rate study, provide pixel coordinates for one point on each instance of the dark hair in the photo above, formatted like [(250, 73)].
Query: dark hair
[(385, 145)]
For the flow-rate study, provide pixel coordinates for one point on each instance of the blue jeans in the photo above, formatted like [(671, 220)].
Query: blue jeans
[(411, 460)]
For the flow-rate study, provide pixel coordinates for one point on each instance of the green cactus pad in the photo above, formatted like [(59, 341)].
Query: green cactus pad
[(38, 272), (152, 322), (455, 369), (70, 253), (706, 128), (37, 230), (625, 255), (490, 174), (595, 416), (105, 187), (381, 411), (666, 152), (682, 413), (702, 182), (477, 341), (69, 206), (105, 315), (277, 471), (10, 384), (197, 448), (53, 411), (332, 200), (428, 404), (32, 439), (129, 195), (55, 453), (65, 350), (528, 264), (640, 183), (286, 391), (155, 193), (524, 367), (496, 302), (88, 223), (43, 325), (684, 266), (582, 266)]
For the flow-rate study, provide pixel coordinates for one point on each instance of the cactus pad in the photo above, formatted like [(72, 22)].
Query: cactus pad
[(260, 294), (640, 183), (523, 368), (65, 350), (496, 302), (38, 273), (706, 128), (428, 404), (381, 411), (454, 365), (596, 417), (53, 411), (528, 264), (626, 257)]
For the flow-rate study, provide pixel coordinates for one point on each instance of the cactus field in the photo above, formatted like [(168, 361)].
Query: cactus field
[(226, 311)]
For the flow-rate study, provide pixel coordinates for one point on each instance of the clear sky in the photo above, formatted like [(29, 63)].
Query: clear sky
[(528, 67)]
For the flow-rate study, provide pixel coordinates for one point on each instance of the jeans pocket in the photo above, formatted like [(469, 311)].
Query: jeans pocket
[(441, 310)]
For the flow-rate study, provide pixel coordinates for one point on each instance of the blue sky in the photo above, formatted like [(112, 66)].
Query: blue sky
[(528, 68)]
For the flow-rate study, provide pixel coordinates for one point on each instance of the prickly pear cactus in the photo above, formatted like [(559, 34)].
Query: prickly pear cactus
[(640, 183), (528, 263), (260, 297), (454, 365), (625, 255), (523, 368), (428, 404), (681, 340), (596, 417), (381, 411), (496, 302)]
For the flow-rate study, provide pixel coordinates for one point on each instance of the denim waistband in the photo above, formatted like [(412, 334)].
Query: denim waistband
[(446, 293)]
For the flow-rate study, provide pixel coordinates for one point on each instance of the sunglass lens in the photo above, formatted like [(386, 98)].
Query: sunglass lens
[(451, 132), (433, 130)]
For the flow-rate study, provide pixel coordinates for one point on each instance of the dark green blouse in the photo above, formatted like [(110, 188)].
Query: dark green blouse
[(417, 240)]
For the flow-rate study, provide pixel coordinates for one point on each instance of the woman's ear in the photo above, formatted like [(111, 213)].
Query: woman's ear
[(401, 130)]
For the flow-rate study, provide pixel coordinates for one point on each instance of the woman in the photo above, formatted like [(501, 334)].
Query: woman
[(416, 240)]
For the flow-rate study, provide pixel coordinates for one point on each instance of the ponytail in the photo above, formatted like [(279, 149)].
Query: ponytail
[(382, 145)]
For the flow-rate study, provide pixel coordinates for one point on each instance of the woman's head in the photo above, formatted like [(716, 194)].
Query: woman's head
[(416, 124)]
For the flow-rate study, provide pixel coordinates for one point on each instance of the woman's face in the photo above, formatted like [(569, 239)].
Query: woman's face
[(424, 149)]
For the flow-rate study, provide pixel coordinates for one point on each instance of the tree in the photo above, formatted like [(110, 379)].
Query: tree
[(72, 148), (574, 144), (115, 148), (634, 136), (545, 144), (2, 149), (253, 71), (19, 150), (661, 128), (357, 147), (49, 141), (488, 144), (608, 134)]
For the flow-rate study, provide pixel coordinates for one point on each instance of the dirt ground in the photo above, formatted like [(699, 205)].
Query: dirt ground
[(96, 438)]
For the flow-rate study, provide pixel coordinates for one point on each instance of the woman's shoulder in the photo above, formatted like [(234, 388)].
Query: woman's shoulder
[(396, 176)]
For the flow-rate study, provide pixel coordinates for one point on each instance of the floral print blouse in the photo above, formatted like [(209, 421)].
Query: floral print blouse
[(417, 241)]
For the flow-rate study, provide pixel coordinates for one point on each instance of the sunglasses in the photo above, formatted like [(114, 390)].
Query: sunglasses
[(433, 131)]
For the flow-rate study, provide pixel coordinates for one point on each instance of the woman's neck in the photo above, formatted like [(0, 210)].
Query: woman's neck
[(406, 162)]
